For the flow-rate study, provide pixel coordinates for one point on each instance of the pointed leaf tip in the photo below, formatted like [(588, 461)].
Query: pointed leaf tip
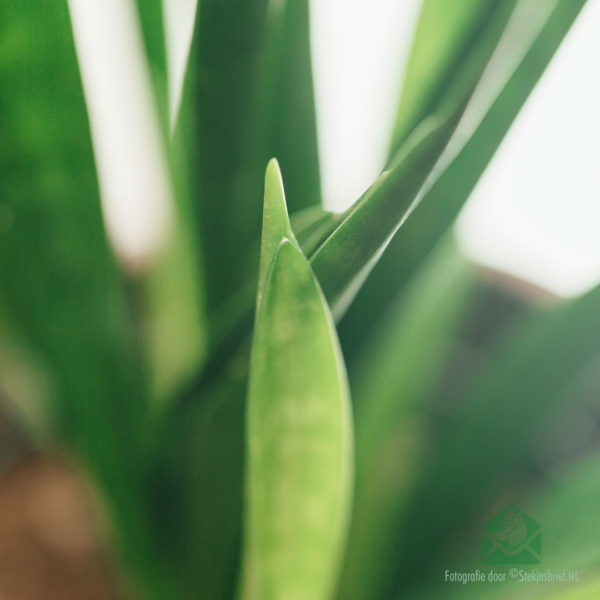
[(276, 223)]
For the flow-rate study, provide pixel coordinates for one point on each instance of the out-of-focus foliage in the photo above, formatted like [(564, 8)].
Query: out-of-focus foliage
[(223, 450)]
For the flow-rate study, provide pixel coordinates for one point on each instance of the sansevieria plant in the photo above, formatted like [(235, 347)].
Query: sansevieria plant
[(276, 402)]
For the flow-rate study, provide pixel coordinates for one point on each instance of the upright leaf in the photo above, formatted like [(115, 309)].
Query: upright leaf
[(284, 119), (299, 427), (60, 287), (391, 384), (251, 86), (446, 33), (520, 388), (442, 203), (348, 255)]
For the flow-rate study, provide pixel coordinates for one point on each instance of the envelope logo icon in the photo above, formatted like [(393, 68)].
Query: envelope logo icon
[(511, 538)]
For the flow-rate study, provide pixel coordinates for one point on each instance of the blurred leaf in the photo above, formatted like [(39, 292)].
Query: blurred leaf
[(174, 306), (519, 390), (443, 201), (174, 318), (196, 488), (250, 81), (445, 36), (285, 121), (178, 19), (54, 239), (223, 70), (151, 22), (567, 510), (60, 287), (299, 426), (396, 374), (311, 226)]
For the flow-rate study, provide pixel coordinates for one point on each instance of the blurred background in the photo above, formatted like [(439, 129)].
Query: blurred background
[(529, 231)]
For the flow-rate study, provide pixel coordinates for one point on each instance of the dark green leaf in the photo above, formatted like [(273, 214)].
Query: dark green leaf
[(523, 385), (391, 383), (442, 203)]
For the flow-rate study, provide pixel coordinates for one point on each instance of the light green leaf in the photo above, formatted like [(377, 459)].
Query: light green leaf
[(276, 224), (298, 427)]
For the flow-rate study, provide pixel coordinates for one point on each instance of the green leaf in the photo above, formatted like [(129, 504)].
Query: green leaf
[(566, 507), (222, 75), (443, 201), (345, 259), (522, 386), (250, 85), (446, 34), (276, 224), (61, 289), (298, 427), (197, 488), (150, 13), (174, 320), (60, 286), (347, 256), (285, 121), (391, 383)]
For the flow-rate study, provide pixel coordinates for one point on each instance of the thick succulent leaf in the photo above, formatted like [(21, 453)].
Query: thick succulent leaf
[(391, 383), (522, 387), (197, 488), (250, 84), (233, 321), (223, 69), (446, 34), (345, 259), (442, 203), (276, 224), (298, 425), (140, 206), (284, 121), (348, 255), (60, 288), (299, 436)]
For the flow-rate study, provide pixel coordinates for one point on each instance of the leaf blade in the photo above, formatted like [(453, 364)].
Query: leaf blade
[(442, 203), (298, 425)]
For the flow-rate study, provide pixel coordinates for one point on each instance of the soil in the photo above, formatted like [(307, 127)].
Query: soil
[(50, 542)]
